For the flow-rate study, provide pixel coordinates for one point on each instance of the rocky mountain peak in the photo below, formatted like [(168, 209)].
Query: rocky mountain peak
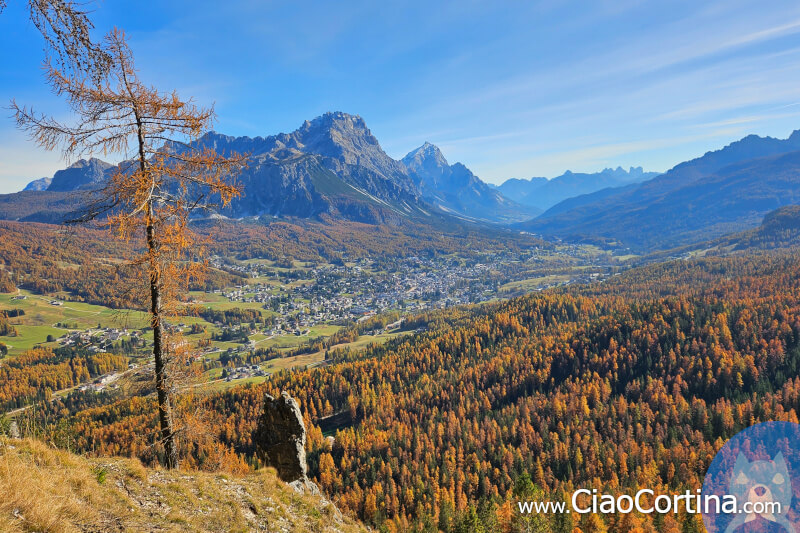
[(339, 135), (428, 163), (347, 139), (82, 174), (428, 155)]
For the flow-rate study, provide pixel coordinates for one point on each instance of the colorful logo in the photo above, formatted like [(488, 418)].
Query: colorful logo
[(753, 483)]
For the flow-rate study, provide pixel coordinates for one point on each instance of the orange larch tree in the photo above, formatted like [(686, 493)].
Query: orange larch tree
[(167, 175)]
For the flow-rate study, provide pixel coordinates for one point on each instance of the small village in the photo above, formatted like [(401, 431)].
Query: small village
[(336, 294)]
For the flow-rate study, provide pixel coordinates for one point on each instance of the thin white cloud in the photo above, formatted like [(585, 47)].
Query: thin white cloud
[(736, 121), (765, 34)]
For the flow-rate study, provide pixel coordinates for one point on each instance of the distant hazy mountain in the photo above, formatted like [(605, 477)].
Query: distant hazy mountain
[(520, 188), (455, 189), (543, 193), (38, 185), (725, 190)]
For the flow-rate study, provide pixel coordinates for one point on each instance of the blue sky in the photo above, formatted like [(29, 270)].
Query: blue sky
[(511, 89)]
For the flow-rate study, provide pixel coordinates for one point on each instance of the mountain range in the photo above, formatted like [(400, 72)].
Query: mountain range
[(543, 193), (332, 166), (723, 191)]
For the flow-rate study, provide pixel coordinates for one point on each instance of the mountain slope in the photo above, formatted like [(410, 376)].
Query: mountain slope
[(114, 494), (38, 185), (543, 193), (454, 188), (779, 229), (50, 207), (726, 190)]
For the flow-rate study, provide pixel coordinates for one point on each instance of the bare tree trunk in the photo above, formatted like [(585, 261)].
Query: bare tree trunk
[(162, 387)]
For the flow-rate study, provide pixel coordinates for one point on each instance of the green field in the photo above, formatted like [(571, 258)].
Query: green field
[(41, 317), (39, 311)]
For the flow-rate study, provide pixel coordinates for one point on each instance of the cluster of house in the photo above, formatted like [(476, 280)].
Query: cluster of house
[(332, 293), (335, 294), (98, 339), (242, 372)]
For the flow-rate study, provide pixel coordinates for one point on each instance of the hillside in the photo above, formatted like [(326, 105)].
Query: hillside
[(727, 190), (779, 229), (51, 207), (54, 491)]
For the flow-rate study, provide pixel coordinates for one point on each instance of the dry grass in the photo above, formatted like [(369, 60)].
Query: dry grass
[(48, 490)]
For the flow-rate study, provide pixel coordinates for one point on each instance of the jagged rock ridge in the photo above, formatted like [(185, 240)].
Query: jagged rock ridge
[(454, 188)]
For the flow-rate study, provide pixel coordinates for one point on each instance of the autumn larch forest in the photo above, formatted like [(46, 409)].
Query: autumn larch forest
[(455, 345)]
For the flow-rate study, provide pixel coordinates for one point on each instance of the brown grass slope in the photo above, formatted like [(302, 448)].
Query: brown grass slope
[(49, 490)]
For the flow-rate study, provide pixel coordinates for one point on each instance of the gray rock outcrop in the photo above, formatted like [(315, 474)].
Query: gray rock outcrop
[(280, 438)]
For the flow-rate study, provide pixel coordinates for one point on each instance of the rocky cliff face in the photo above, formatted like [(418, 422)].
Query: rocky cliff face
[(454, 188)]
